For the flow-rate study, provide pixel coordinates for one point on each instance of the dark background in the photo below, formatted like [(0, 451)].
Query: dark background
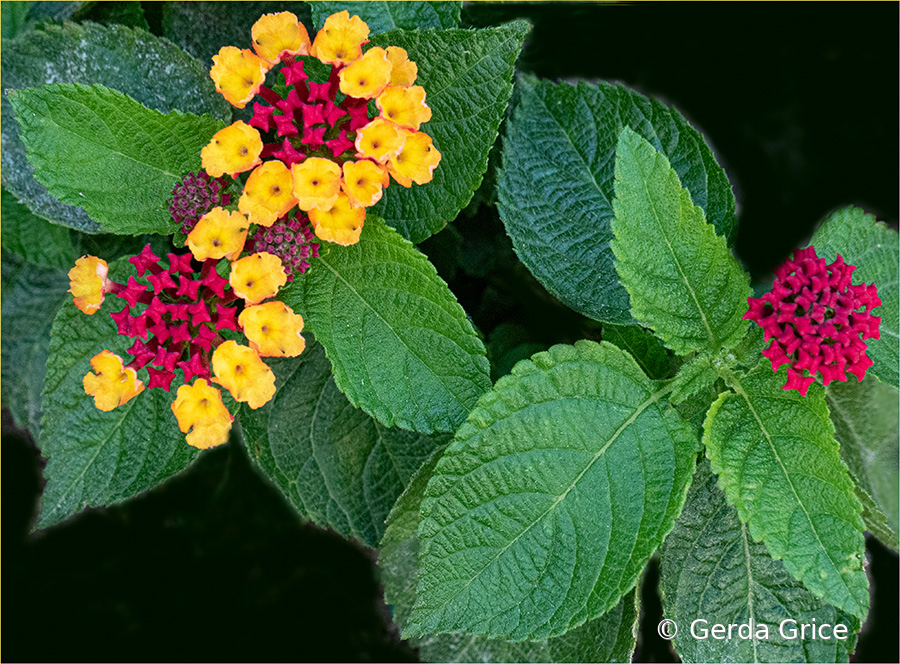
[(801, 105)]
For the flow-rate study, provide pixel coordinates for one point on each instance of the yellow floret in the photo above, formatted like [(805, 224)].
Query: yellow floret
[(416, 161), (277, 34), (232, 150), (218, 234), (240, 371), (364, 182), (273, 329), (88, 283), (379, 140), (111, 384), (238, 74), (404, 106), (366, 77), (267, 194), (257, 277), (316, 183), (200, 406), (340, 40), (342, 224), (403, 70)]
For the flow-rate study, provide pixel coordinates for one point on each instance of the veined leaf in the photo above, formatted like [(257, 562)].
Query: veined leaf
[(778, 462), (35, 239), (714, 573), (382, 16), (546, 507), (696, 375), (555, 188), (681, 277), (336, 465), (101, 150), (400, 344), (646, 349), (875, 251), (609, 638), (98, 458), (867, 425), (152, 70), (467, 76)]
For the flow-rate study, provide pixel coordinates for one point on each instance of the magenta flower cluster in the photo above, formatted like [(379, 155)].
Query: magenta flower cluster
[(289, 238), (196, 195)]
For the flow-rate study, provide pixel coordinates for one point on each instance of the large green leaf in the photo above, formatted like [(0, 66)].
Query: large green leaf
[(609, 638), (95, 457), (646, 349), (776, 457), (100, 149), (336, 465), (14, 18), (35, 239), (152, 70), (383, 16), (546, 507), (31, 296), (681, 277), (712, 572), (875, 251), (400, 344), (555, 188), (866, 419), (467, 76)]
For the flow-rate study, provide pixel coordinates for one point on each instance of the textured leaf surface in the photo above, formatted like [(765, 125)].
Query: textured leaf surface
[(681, 277), (647, 350), (875, 251), (547, 506), (555, 188), (467, 76), (695, 376), (778, 462), (867, 426), (35, 239), (400, 344), (383, 16), (152, 70), (100, 149), (98, 458), (713, 571), (609, 638), (336, 465)]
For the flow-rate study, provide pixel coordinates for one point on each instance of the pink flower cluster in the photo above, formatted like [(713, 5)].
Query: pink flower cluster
[(289, 238), (196, 195), (813, 317)]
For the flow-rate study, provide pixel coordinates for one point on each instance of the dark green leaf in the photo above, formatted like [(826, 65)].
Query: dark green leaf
[(122, 13), (35, 239), (555, 188), (712, 572), (546, 507), (382, 16), (100, 149), (14, 18), (467, 78), (646, 349), (400, 344), (153, 71), (336, 465), (776, 457), (57, 11), (693, 377)]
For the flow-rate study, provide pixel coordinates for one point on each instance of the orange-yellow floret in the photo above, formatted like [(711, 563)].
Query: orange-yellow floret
[(364, 182), (88, 283), (200, 406), (218, 234), (277, 34), (257, 277), (416, 161), (267, 194), (379, 140), (111, 384), (404, 105), (232, 150), (273, 329), (366, 77), (238, 74), (342, 224), (340, 40), (240, 371), (316, 183), (403, 70)]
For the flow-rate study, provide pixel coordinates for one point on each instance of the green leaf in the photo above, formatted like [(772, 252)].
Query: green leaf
[(35, 239), (696, 375), (546, 507), (609, 638), (336, 465), (122, 13), (152, 70), (681, 277), (555, 188), (776, 457), (467, 76), (646, 349), (14, 18), (31, 297), (866, 419), (875, 251), (57, 11), (100, 149), (400, 344), (712, 571), (98, 458), (382, 16)]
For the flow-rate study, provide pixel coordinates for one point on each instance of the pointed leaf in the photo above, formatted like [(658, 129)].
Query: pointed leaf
[(776, 457), (382, 16), (712, 572), (546, 507)]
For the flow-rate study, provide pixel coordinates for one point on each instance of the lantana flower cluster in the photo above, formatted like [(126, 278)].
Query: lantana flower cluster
[(817, 320), (315, 146)]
